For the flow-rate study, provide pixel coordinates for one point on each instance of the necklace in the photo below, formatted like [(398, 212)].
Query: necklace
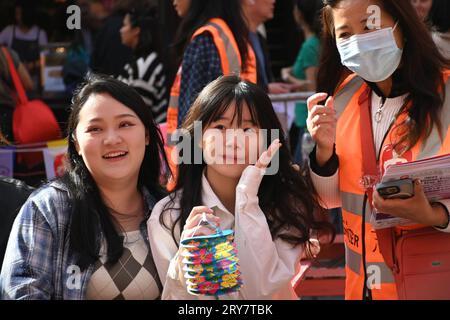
[(379, 112)]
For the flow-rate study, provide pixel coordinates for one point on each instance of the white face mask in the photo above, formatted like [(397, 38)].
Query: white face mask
[(373, 56)]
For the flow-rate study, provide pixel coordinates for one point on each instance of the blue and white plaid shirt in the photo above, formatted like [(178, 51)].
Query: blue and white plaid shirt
[(38, 263)]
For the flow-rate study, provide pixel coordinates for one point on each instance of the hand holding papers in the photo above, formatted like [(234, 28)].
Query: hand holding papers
[(434, 174)]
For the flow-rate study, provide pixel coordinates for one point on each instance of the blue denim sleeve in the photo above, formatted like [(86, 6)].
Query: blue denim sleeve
[(27, 270), (201, 65)]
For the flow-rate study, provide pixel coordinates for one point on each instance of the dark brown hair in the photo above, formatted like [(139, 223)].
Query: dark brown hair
[(421, 68), (200, 12), (288, 198), (90, 218)]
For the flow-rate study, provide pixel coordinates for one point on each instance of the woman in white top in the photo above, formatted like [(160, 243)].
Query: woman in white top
[(272, 215), (25, 37)]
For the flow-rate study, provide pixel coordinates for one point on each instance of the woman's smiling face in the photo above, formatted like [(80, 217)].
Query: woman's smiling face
[(111, 139), (228, 146)]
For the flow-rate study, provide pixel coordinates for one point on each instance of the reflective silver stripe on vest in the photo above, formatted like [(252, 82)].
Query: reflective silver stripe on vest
[(233, 58), (343, 97), (433, 142), (174, 100), (375, 269), (233, 61), (377, 272), (352, 260), (173, 103), (431, 146), (353, 203)]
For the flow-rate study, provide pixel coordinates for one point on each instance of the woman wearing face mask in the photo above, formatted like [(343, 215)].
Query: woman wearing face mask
[(83, 236), (391, 74)]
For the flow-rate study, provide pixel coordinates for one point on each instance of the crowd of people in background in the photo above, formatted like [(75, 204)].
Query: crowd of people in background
[(140, 58), (123, 197)]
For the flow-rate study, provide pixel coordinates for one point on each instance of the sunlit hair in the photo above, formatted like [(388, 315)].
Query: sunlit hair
[(90, 217), (288, 198)]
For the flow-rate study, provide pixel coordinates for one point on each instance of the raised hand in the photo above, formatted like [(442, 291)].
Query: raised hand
[(267, 155), (321, 125), (194, 227)]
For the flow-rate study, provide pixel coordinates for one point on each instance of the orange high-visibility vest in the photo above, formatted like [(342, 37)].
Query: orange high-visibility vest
[(231, 63), (361, 246)]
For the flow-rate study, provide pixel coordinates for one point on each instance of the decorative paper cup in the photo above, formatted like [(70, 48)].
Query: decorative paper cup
[(224, 279), (227, 282), (210, 258), (205, 257), (215, 275), (218, 249), (211, 264), (213, 290), (207, 288), (208, 270), (215, 294), (208, 240), (202, 256)]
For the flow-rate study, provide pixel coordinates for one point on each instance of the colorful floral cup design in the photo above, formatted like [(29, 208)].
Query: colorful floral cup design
[(211, 264), (208, 270)]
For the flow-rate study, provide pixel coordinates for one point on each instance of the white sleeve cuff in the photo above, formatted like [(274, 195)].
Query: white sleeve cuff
[(445, 203), (328, 189), (250, 180)]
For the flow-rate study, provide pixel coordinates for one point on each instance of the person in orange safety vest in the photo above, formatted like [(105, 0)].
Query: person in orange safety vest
[(378, 61), (211, 31)]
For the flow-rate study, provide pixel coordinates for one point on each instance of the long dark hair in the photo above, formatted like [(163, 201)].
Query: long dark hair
[(439, 16), (28, 12), (421, 69), (200, 11), (90, 216), (145, 18), (311, 12), (288, 198)]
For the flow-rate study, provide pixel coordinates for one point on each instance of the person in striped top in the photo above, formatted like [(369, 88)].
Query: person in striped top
[(146, 73)]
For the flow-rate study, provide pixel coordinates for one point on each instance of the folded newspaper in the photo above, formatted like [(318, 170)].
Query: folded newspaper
[(435, 176)]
